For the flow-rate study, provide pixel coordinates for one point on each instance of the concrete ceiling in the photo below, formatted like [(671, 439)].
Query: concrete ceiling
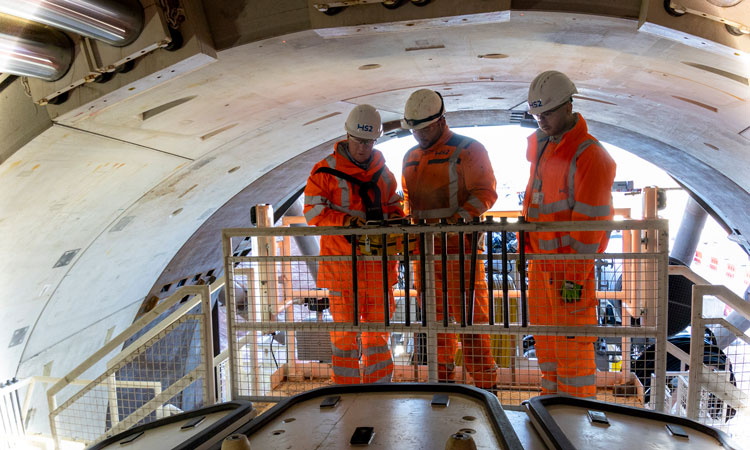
[(124, 188)]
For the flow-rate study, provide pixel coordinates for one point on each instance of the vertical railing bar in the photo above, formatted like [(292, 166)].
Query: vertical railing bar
[(407, 280), (386, 287), (522, 276), (444, 274), (20, 412), (208, 346), (462, 275), (491, 278), (504, 272), (423, 275), (229, 288), (472, 275), (355, 290)]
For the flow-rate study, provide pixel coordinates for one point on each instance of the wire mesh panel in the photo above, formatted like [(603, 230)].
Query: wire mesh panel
[(12, 428), (164, 372), (432, 303), (718, 383)]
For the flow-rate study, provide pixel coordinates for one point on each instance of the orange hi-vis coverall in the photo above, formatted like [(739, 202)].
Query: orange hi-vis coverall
[(331, 200), (571, 180), (454, 178)]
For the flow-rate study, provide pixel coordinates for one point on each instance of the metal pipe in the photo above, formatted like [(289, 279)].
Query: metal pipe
[(693, 221), (116, 22), (308, 245), (28, 49)]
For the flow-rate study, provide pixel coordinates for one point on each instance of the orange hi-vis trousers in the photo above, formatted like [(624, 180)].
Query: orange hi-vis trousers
[(567, 362), (376, 354), (477, 354)]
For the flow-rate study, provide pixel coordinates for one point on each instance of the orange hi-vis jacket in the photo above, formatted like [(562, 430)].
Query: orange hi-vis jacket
[(329, 200), (571, 180), (452, 178)]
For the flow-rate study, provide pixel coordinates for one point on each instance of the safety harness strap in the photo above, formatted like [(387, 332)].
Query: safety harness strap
[(373, 206)]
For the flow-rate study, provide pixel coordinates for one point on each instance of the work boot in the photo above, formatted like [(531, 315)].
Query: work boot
[(446, 373)]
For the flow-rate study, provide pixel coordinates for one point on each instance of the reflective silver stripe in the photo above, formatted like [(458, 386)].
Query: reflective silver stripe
[(344, 186), (476, 203), (334, 293), (591, 211), (369, 370), (345, 372), (533, 213), (536, 185), (351, 212), (453, 174), (395, 199), (554, 207), (548, 366), (580, 247), (586, 380), (386, 379), (344, 353), (331, 161), (465, 214), (375, 350), (312, 213), (549, 385), (572, 171), (549, 244), (433, 213), (315, 199)]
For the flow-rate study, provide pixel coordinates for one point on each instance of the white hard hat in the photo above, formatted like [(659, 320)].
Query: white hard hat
[(364, 122), (423, 108), (549, 90)]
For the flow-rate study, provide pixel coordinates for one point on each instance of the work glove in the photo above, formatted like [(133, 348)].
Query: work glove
[(354, 221), (570, 292)]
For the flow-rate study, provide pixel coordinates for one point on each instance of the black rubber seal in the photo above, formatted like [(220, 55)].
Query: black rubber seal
[(239, 409), (537, 407), (500, 423)]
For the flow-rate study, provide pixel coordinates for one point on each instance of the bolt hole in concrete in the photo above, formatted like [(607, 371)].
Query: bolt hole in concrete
[(369, 66), (289, 420), (469, 418), (467, 431), (233, 169), (175, 212), (277, 432)]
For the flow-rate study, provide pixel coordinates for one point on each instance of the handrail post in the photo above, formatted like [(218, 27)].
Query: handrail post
[(696, 351), (430, 308), (661, 266), (209, 387)]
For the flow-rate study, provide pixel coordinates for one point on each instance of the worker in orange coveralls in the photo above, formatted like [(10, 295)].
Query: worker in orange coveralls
[(448, 176), (347, 188), (571, 180)]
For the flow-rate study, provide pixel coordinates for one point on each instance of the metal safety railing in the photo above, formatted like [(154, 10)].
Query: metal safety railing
[(718, 382), (280, 322), (167, 368)]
